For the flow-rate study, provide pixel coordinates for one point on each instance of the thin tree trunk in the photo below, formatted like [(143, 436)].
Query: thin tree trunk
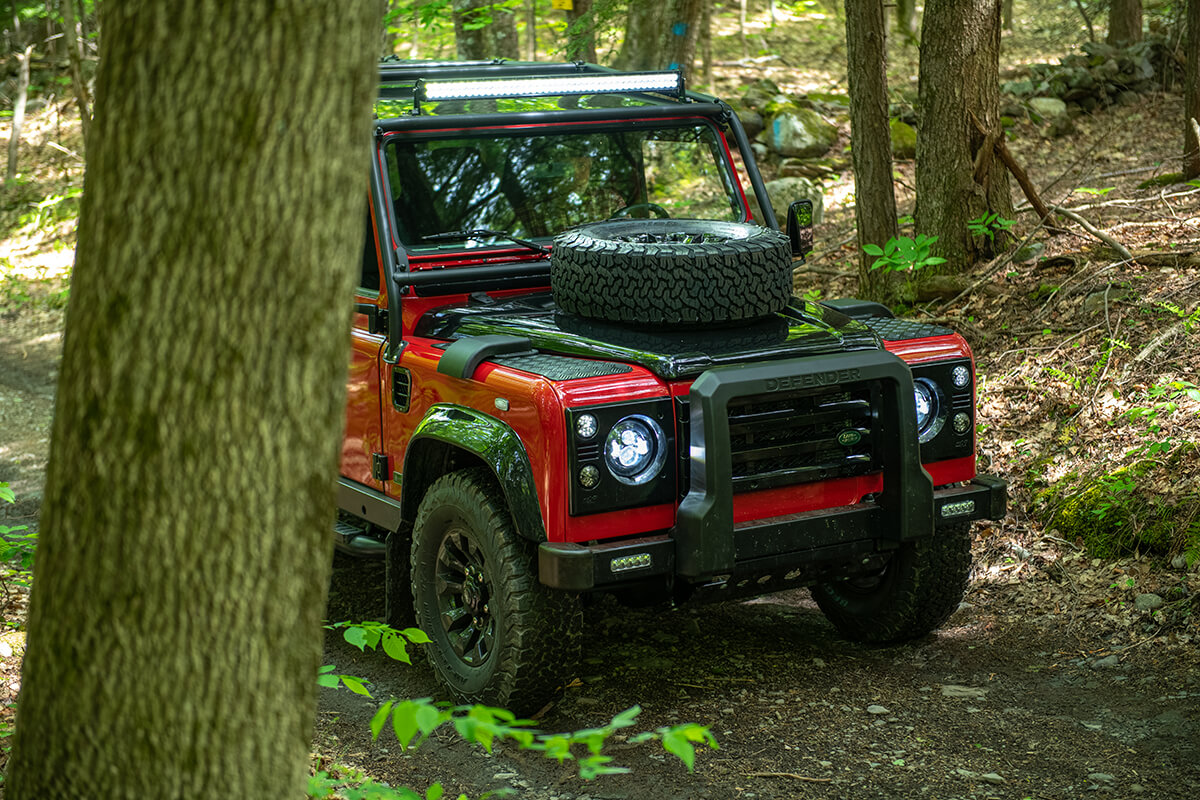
[(18, 118), (871, 149), (742, 28), (958, 178), (1006, 14), (1086, 20), (906, 19), (1191, 94), (74, 59), (175, 620), (1124, 22), (415, 52), (531, 29), (706, 44)]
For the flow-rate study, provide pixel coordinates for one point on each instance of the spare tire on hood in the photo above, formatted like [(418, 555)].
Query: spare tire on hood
[(671, 271)]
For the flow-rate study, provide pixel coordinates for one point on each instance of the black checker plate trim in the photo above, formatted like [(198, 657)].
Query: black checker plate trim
[(899, 330), (562, 368)]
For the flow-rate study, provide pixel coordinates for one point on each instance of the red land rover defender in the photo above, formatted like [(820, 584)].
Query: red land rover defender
[(579, 368)]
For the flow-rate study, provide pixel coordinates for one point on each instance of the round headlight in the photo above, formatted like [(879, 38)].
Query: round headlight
[(585, 426), (929, 409), (635, 449)]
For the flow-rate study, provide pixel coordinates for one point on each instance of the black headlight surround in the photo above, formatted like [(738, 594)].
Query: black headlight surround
[(609, 494), (948, 443)]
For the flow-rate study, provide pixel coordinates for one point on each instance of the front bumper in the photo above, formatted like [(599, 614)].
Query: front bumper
[(793, 541)]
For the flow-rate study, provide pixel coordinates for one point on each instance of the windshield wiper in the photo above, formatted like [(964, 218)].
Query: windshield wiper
[(479, 234)]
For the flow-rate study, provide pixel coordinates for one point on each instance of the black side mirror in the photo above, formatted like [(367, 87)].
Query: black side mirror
[(799, 227)]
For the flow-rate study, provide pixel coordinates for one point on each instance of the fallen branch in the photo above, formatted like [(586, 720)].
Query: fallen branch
[(787, 775), (1094, 231)]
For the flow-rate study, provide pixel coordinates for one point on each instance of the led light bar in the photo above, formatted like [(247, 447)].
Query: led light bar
[(958, 509), (627, 563), (671, 81)]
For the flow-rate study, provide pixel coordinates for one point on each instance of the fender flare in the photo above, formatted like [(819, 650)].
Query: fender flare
[(447, 428)]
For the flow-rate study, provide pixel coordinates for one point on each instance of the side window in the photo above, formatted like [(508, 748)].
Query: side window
[(370, 261)]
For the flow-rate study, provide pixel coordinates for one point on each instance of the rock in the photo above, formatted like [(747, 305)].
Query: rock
[(1108, 662), (1136, 788), (800, 132), (784, 191), (904, 139), (1047, 108), (992, 778), (759, 93), (1101, 777), (1179, 562), (6, 650), (1129, 99), (752, 121), (968, 774), (877, 710), (971, 692), (1147, 602)]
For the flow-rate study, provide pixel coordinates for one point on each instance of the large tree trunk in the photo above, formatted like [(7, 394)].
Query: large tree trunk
[(958, 178), (871, 147), (484, 29), (1191, 92), (1124, 22), (175, 622), (581, 32)]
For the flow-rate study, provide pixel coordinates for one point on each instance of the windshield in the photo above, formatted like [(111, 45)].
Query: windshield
[(536, 184)]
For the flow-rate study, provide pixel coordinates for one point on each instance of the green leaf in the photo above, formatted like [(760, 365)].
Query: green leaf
[(416, 636), (428, 718), (872, 249), (934, 261), (324, 678), (356, 636), (434, 792), (627, 717), (404, 723), (380, 717), (7, 494), (393, 645), (355, 685), (678, 746)]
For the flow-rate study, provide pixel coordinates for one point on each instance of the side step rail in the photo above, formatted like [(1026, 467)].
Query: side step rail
[(353, 540)]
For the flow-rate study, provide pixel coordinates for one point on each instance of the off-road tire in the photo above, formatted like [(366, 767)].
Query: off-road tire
[(671, 272), (918, 590), (535, 631)]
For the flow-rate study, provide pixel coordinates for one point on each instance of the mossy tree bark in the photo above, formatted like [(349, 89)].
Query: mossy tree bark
[(174, 628), (871, 147), (958, 176)]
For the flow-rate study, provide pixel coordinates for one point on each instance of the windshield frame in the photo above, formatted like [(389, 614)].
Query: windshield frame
[(725, 166)]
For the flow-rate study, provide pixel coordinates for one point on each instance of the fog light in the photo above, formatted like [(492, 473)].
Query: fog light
[(960, 508), (585, 426), (961, 377), (962, 422), (627, 563), (589, 476)]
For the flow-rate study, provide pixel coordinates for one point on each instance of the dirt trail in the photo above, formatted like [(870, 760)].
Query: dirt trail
[(1007, 701)]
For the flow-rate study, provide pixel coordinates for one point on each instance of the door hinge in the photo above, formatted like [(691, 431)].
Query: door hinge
[(379, 466)]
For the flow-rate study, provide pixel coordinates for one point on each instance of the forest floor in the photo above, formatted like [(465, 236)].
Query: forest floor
[(1057, 678)]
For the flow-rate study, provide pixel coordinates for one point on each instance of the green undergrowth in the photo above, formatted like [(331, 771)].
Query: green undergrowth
[(1132, 509)]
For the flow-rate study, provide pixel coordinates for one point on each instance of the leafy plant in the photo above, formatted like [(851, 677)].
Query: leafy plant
[(16, 547), (989, 224), (413, 721), (904, 254), (1191, 320), (1099, 192)]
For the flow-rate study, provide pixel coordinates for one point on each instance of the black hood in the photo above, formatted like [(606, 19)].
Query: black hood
[(802, 329)]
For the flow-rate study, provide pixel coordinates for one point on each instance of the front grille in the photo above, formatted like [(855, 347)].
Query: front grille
[(784, 440), (780, 441)]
